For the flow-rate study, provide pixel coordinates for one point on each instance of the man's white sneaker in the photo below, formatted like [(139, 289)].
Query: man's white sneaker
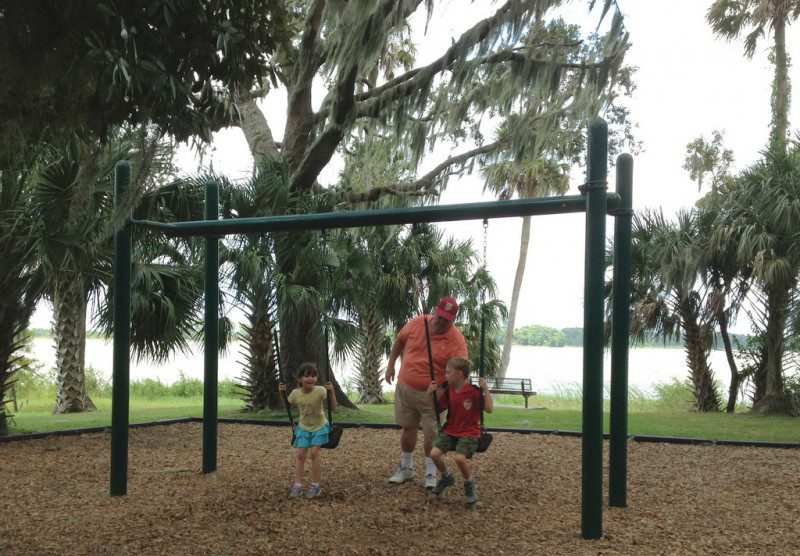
[(430, 481), (402, 475)]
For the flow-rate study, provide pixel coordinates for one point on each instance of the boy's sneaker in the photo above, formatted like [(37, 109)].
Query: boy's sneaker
[(297, 492), (402, 475), (314, 491), (471, 492), (444, 482), (430, 481)]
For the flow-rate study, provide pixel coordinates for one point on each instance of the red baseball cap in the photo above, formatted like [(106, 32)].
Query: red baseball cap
[(447, 309)]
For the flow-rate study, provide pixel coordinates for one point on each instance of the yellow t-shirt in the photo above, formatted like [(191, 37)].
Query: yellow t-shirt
[(312, 414)]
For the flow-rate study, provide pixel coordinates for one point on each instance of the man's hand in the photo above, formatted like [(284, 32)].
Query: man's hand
[(431, 388), (390, 373)]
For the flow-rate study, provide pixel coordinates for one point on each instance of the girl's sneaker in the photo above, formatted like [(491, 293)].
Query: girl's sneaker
[(314, 491), (297, 492)]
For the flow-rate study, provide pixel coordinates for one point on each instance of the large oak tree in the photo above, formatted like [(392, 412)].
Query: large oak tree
[(500, 67)]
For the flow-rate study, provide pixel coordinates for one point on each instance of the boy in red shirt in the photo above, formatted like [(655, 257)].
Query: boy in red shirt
[(463, 428)]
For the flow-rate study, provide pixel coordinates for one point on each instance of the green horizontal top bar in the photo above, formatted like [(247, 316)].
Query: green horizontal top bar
[(361, 218)]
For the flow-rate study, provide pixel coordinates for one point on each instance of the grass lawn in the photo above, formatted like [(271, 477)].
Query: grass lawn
[(37, 416)]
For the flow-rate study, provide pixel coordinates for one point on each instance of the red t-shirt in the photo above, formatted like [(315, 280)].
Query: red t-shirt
[(464, 412), (415, 371)]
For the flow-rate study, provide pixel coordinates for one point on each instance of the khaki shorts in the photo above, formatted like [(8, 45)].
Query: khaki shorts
[(412, 406)]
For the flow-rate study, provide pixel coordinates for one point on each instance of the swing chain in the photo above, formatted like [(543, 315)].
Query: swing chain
[(485, 262)]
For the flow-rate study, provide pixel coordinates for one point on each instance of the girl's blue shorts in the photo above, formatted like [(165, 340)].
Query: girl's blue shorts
[(305, 439)]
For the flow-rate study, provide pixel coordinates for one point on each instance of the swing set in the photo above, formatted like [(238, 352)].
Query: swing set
[(594, 200)]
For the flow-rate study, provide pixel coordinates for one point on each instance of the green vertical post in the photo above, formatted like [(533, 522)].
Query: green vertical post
[(211, 335), (620, 334), (592, 450), (122, 338)]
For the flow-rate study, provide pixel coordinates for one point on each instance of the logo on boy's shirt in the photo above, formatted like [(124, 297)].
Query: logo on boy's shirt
[(467, 404)]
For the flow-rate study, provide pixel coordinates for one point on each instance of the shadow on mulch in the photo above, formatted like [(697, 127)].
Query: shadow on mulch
[(682, 498)]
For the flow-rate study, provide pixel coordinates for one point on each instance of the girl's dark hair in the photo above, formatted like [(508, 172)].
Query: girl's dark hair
[(307, 369)]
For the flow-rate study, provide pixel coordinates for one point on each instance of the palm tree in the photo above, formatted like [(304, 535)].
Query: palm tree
[(539, 178), (666, 262), (73, 202), (725, 278), (20, 278), (761, 216), (250, 268), (731, 18), (370, 286), (262, 291)]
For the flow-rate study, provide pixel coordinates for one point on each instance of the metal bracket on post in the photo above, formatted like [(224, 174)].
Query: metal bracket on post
[(589, 185)]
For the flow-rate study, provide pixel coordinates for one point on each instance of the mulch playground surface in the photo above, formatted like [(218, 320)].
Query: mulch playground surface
[(683, 499)]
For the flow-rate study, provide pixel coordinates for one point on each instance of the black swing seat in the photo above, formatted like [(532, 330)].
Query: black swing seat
[(484, 441), (333, 437)]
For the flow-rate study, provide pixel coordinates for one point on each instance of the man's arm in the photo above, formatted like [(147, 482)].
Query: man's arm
[(397, 350)]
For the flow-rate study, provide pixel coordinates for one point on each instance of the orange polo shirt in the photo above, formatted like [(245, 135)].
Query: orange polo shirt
[(414, 369)]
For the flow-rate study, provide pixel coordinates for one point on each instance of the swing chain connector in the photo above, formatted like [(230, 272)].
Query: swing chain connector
[(592, 184)]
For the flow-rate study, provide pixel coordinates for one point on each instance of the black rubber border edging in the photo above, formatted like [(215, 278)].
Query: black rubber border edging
[(347, 425), (92, 430), (574, 434)]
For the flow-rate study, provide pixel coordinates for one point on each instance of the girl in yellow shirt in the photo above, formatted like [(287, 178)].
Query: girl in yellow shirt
[(313, 429)]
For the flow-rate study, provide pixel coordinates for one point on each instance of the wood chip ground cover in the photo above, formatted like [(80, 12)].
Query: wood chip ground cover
[(682, 499)]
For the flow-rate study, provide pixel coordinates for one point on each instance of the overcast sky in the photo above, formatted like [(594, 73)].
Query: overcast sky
[(688, 83)]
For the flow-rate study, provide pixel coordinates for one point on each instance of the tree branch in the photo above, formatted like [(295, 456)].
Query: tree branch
[(372, 105), (299, 111), (426, 183), (342, 103)]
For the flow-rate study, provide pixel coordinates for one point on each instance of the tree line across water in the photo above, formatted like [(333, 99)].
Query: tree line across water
[(546, 336)]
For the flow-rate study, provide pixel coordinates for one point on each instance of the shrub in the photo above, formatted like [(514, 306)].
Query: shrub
[(675, 394), (96, 385)]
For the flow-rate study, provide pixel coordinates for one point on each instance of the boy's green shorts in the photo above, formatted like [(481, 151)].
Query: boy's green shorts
[(465, 445)]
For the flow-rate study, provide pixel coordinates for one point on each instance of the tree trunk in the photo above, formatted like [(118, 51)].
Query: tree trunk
[(260, 372), (525, 237), (775, 400), (705, 395), (300, 342), (299, 334), (780, 88), (69, 332), (733, 391), (369, 360), (5, 430), (760, 377), (257, 132)]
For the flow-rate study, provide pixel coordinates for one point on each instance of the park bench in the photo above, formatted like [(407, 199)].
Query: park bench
[(519, 386)]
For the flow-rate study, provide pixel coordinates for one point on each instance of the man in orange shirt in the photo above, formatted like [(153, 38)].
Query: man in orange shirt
[(412, 403)]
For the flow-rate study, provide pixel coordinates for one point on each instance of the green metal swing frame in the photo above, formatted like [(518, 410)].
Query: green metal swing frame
[(594, 201)]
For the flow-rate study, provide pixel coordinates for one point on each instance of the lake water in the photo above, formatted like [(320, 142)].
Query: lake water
[(548, 368)]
